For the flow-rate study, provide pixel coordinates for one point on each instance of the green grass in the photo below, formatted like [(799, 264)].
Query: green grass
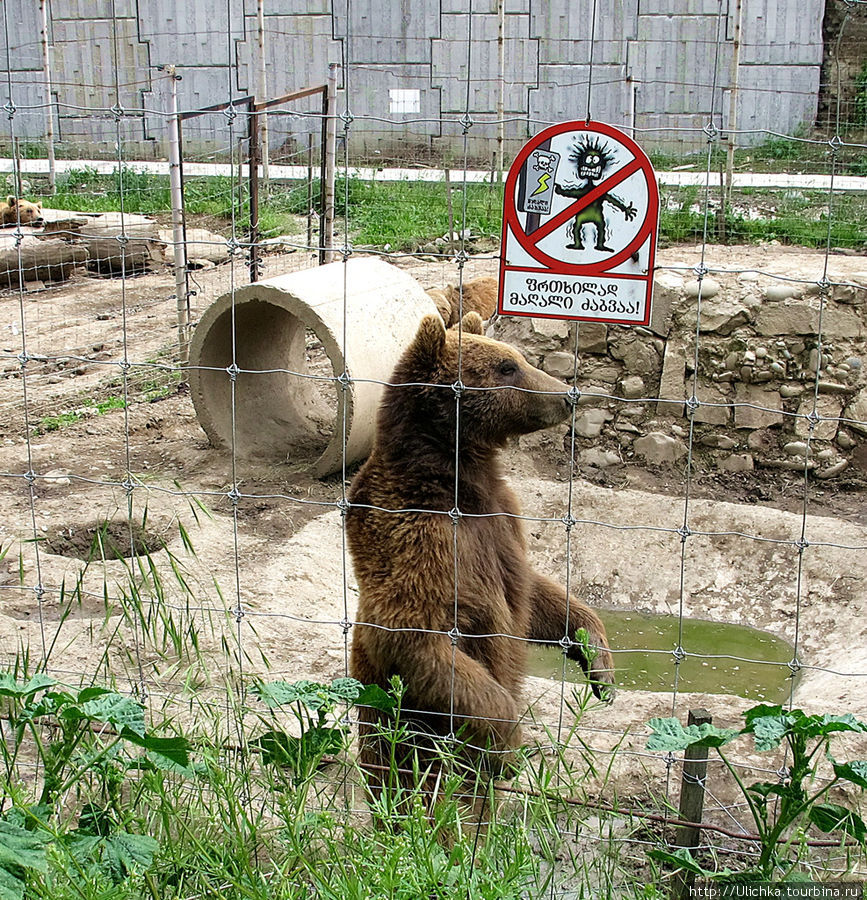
[(89, 407), (405, 216)]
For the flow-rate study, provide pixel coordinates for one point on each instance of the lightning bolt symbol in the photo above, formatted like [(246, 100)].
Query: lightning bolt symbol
[(543, 184)]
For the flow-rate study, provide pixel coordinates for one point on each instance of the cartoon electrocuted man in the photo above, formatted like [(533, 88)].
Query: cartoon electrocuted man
[(591, 159)]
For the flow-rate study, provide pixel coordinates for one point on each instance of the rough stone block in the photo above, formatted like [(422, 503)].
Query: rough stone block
[(828, 407), (672, 389), (757, 407)]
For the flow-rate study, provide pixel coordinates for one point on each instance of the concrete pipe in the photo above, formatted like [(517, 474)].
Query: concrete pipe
[(287, 404)]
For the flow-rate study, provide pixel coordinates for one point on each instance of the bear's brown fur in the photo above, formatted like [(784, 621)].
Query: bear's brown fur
[(13, 211), (480, 296), (400, 526)]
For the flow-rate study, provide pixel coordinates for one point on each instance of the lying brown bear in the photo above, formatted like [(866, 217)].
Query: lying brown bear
[(13, 211), (403, 504)]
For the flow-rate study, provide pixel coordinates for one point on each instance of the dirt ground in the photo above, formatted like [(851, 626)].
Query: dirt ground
[(269, 585)]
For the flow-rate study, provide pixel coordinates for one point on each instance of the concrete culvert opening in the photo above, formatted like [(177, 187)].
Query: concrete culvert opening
[(279, 405), (265, 361), (109, 539)]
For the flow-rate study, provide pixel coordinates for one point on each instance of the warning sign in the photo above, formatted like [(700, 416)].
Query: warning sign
[(580, 219)]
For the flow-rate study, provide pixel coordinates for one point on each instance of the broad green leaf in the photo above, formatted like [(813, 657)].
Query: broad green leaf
[(669, 734), (91, 693), (279, 693), (680, 859), (11, 887), (376, 698), (125, 853), (855, 771), (19, 847), (830, 817), (118, 710), (171, 754), (298, 754), (768, 731), (9, 687), (346, 689)]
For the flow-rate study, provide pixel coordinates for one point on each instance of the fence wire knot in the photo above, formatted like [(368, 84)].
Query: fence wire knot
[(345, 624), (346, 251), (234, 495), (711, 131), (30, 477), (230, 113), (238, 613), (233, 371), (454, 635), (569, 521), (684, 532), (466, 122), (573, 395), (122, 239), (128, 485), (347, 118), (802, 544), (39, 590), (835, 143), (794, 666), (692, 405), (813, 418), (118, 112), (690, 778), (23, 359), (344, 380), (824, 285), (566, 643), (455, 515), (458, 387), (461, 258), (125, 365), (232, 245), (700, 271), (343, 506), (10, 108), (678, 654)]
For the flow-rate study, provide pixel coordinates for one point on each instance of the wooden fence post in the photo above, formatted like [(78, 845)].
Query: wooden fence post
[(691, 802)]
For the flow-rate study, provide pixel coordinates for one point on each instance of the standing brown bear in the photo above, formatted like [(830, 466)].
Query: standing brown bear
[(459, 649)]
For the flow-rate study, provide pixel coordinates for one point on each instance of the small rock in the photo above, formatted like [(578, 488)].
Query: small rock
[(791, 390), (657, 447), (632, 387), (780, 291), (559, 364), (737, 462), (845, 440), (598, 458), (589, 422), (709, 287), (831, 471), (795, 448), (718, 441), (831, 387)]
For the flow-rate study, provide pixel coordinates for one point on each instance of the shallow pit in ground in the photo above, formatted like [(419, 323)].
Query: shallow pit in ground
[(105, 539)]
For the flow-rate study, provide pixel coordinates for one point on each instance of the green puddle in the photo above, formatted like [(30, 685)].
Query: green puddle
[(634, 634)]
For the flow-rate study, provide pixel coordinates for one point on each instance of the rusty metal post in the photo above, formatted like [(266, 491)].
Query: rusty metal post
[(254, 153)]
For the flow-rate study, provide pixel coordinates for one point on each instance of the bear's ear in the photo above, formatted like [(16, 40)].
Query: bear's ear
[(472, 323), (427, 345), (10, 200), (39, 206)]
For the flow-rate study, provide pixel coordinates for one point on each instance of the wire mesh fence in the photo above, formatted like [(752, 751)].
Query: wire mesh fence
[(709, 472)]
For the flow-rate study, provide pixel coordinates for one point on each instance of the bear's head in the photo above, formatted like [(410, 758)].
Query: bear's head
[(23, 211), (501, 394)]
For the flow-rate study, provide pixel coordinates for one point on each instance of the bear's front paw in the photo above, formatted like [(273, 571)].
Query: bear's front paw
[(592, 652)]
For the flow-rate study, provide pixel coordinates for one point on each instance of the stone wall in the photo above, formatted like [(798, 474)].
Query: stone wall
[(761, 387)]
